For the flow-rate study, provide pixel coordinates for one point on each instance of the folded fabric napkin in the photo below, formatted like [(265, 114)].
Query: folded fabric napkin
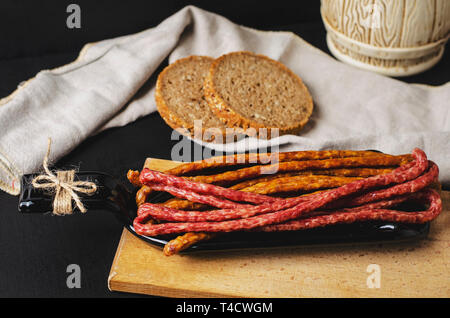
[(110, 84)]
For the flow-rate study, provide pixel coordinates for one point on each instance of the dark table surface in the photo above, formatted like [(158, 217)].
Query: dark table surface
[(36, 250)]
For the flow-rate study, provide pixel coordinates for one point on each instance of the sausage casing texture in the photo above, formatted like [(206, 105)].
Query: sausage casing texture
[(265, 158), (289, 166), (430, 196), (282, 184), (184, 241), (244, 174), (298, 183), (344, 172), (314, 202), (188, 239)]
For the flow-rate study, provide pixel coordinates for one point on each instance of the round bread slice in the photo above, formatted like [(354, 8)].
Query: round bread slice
[(180, 99), (248, 90)]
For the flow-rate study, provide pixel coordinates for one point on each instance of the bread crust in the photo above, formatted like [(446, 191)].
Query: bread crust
[(169, 117), (231, 118)]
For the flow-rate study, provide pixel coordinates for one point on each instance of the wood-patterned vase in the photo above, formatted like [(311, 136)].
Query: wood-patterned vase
[(391, 37)]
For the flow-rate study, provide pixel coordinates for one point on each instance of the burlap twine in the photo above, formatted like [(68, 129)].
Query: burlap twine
[(64, 187)]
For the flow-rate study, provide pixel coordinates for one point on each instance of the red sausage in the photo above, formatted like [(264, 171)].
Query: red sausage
[(276, 211)]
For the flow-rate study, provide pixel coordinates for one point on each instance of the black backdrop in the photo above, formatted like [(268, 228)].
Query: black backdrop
[(31, 28), (36, 250)]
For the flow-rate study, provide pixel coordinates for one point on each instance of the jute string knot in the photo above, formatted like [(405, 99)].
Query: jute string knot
[(64, 186)]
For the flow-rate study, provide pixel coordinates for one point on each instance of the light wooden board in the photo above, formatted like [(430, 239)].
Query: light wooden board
[(415, 269)]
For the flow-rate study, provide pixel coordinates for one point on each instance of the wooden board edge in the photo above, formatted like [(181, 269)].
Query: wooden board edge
[(112, 272), (167, 164), (121, 283), (118, 283), (114, 281)]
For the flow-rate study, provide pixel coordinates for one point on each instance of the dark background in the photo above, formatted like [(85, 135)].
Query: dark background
[(36, 250)]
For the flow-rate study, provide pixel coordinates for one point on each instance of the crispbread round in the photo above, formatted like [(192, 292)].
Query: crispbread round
[(248, 90), (180, 100)]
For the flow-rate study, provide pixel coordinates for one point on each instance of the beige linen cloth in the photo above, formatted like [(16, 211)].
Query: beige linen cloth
[(109, 85)]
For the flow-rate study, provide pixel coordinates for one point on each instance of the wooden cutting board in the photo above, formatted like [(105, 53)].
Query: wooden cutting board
[(415, 269)]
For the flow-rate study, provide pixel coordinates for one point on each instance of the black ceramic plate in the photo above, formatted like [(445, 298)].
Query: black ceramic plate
[(115, 197)]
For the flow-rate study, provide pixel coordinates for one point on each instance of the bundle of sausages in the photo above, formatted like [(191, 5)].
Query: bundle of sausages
[(354, 186)]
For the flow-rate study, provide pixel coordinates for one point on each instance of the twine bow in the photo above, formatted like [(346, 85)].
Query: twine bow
[(64, 186)]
